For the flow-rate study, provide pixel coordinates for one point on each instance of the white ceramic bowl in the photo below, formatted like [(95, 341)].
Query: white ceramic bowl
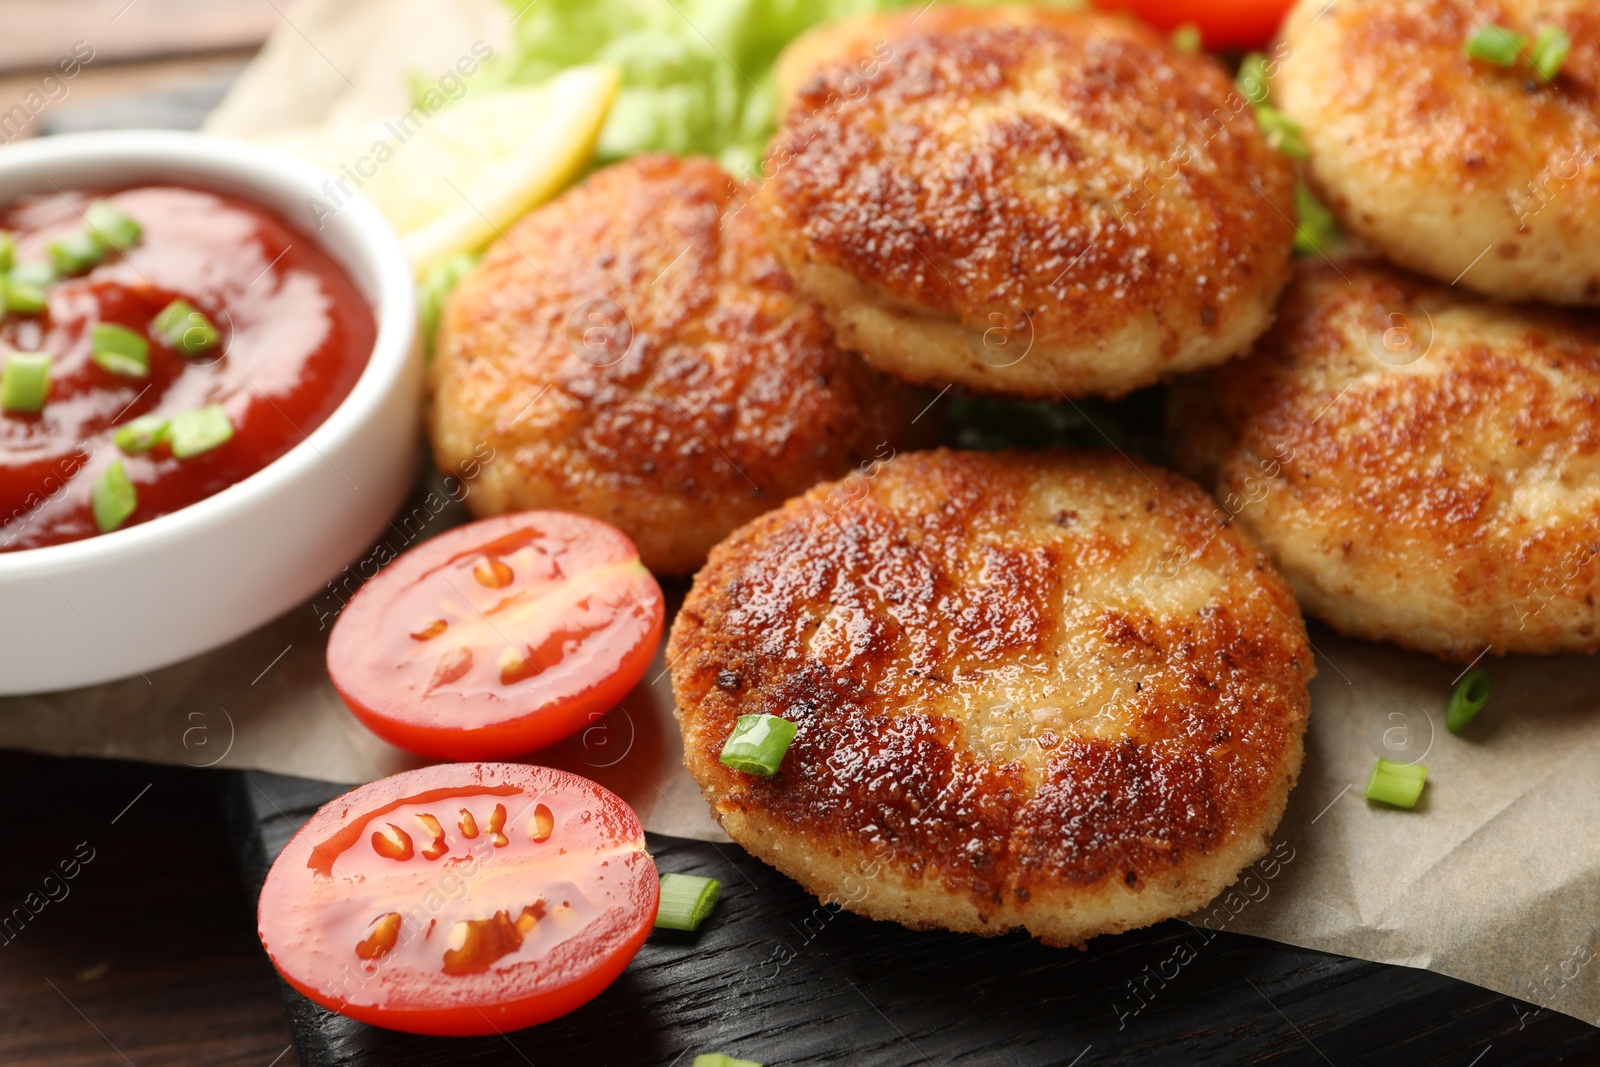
[(128, 602)]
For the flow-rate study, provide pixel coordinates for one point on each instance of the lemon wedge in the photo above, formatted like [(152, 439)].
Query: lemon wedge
[(455, 180)]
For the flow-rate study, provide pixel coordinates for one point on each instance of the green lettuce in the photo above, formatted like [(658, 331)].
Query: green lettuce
[(697, 74)]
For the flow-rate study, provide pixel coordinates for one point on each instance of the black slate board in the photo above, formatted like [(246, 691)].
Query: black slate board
[(776, 978)]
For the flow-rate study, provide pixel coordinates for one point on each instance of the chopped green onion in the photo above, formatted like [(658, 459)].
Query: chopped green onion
[(1318, 231), (24, 381), (8, 250), (1186, 38), (1252, 80), (1283, 133), (200, 430), (24, 296), (686, 901), (1550, 52), (721, 1059), (142, 434), (76, 253), (1495, 44), (758, 744), (113, 226), (1468, 699), (34, 272), (1394, 783), (119, 350), (25, 287), (431, 294), (184, 329), (112, 498)]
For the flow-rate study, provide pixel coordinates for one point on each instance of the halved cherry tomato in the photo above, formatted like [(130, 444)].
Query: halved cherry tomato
[(461, 898), (1223, 23), (498, 637)]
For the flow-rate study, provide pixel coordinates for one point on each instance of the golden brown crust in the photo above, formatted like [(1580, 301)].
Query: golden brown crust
[(1061, 183), (1032, 689), (1437, 159), (1424, 466), (634, 351)]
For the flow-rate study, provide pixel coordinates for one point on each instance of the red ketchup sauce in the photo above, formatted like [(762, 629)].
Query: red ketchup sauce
[(295, 335)]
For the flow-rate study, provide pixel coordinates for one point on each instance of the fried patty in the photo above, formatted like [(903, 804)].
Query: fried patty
[(634, 351), (1423, 465), (1448, 165), (1026, 201), (1043, 690)]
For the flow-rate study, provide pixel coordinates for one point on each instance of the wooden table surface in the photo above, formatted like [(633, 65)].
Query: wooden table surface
[(148, 955)]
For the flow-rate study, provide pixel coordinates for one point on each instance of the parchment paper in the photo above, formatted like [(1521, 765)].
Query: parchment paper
[(264, 702), (1494, 878)]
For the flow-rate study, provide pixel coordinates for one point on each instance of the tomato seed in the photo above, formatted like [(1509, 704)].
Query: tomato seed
[(493, 573), (438, 847), (385, 932), (452, 666), (434, 629), (394, 846), (544, 822)]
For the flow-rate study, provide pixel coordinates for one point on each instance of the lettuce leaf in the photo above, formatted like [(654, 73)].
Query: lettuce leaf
[(697, 74)]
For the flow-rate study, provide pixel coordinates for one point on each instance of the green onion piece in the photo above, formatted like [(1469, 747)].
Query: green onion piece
[(25, 287), (1283, 133), (142, 434), (1495, 44), (25, 297), (119, 350), (113, 226), (1318, 232), (757, 744), (1186, 38), (1252, 80), (1468, 699), (721, 1059), (1550, 52), (112, 498), (24, 381), (184, 329), (8, 250), (686, 901), (200, 430), (34, 272), (1394, 783), (431, 293), (76, 253)]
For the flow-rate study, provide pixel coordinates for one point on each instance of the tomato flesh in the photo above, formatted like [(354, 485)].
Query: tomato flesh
[(461, 899), (1223, 23), (498, 637)]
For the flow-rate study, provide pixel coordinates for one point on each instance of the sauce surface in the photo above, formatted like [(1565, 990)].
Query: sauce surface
[(295, 336)]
